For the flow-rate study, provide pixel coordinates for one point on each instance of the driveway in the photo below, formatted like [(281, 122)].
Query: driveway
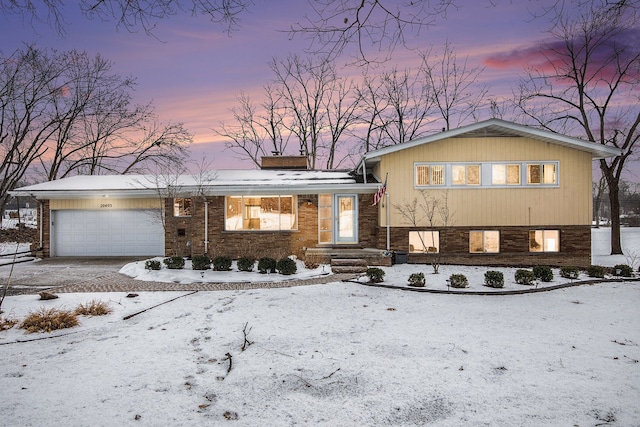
[(33, 276)]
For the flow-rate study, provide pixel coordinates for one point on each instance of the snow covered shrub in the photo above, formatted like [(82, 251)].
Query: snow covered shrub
[(417, 280), (174, 262), (596, 271), (246, 264), (93, 308), (458, 281), (49, 320), (286, 266), (543, 273), (494, 279), (375, 274), (266, 265), (525, 277), (569, 272), (222, 263), (152, 264), (200, 262), (623, 270)]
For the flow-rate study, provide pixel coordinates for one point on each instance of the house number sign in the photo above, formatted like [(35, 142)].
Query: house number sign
[(106, 205)]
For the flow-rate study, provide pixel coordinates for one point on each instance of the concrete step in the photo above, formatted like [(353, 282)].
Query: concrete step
[(348, 269)]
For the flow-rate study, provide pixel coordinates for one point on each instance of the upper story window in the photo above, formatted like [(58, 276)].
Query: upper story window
[(182, 206), (465, 174), (427, 175), (492, 174), (261, 213)]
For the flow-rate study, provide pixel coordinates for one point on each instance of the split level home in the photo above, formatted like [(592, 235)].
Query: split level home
[(491, 193)]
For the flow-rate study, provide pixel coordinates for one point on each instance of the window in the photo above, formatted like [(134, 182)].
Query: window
[(544, 241), (484, 242), (325, 218), (424, 242), (427, 175), (505, 174), (465, 174), (182, 206), (543, 173), (261, 213)]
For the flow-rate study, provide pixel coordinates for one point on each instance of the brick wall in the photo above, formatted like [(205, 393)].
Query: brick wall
[(575, 246)]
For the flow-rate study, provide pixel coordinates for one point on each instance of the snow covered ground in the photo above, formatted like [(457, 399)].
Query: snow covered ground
[(339, 354)]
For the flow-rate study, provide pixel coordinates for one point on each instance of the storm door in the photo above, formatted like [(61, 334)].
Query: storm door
[(338, 219)]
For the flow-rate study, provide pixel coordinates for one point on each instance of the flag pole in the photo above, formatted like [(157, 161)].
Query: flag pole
[(388, 227)]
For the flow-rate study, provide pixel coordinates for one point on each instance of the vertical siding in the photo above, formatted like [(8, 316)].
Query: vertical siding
[(568, 204)]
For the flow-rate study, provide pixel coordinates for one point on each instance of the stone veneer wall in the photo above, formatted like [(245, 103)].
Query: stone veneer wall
[(575, 246)]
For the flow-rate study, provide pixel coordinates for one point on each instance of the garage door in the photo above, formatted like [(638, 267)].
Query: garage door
[(107, 233)]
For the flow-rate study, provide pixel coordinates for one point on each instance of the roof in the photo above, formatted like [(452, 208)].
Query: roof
[(499, 128), (218, 182)]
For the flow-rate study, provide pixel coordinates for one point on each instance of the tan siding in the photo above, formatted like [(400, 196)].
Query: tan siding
[(570, 203), (105, 204)]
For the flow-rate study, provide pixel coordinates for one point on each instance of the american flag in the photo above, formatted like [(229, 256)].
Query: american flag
[(380, 193)]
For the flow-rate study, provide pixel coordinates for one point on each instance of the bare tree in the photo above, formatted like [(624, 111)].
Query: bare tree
[(334, 25), (254, 133), (457, 93), (67, 113), (587, 85), (432, 212), (129, 14)]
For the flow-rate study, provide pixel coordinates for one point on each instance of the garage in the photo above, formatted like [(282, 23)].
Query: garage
[(124, 232)]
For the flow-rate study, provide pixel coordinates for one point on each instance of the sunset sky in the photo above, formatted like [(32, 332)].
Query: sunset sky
[(193, 71)]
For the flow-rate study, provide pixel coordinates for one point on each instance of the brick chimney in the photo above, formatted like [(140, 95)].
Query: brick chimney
[(285, 162)]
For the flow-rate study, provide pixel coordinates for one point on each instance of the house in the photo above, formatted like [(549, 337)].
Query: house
[(516, 195)]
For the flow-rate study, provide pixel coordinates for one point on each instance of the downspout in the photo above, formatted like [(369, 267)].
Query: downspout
[(388, 225), (206, 227)]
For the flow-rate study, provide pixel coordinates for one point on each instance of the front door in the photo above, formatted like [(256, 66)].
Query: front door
[(346, 219)]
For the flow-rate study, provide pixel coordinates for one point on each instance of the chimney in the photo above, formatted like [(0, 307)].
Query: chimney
[(285, 162)]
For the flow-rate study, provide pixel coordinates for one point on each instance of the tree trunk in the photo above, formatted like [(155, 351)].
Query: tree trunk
[(614, 201)]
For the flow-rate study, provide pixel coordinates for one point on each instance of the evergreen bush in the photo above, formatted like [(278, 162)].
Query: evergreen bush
[(417, 280), (375, 274), (623, 270), (569, 272), (458, 281), (543, 273), (201, 262), (494, 279), (152, 264), (286, 266), (266, 265), (222, 263), (246, 264), (596, 271), (525, 277), (174, 262)]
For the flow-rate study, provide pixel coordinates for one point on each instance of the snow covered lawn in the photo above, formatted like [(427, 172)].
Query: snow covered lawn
[(336, 354)]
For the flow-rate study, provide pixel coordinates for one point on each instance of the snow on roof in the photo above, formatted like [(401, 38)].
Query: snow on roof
[(212, 182)]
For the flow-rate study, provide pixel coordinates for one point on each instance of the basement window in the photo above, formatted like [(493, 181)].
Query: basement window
[(544, 241), (487, 242), (421, 242)]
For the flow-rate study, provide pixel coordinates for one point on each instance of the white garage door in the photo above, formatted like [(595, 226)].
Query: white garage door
[(107, 233)]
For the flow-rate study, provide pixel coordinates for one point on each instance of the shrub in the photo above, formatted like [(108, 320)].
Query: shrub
[(494, 279), (375, 274), (246, 264), (525, 277), (7, 323), (266, 265), (222, 263), (458, 281), (623, 270), (596, 271), (93, 308), (569, 272), (417, 280), (543, 273), (286, 266), (152, 264), (174, 262), (49, 320), (201, 262)]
